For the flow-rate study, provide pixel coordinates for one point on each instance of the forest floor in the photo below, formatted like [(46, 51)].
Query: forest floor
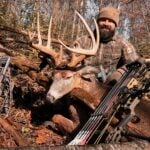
[(32, 135), (21, 128)]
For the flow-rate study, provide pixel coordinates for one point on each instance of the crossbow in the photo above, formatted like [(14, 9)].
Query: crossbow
[(6, 85), (108, 121)]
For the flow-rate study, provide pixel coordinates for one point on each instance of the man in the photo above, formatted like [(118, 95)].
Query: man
[(114, 51)]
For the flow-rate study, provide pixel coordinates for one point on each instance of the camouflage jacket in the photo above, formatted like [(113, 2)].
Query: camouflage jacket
[(110, 54)]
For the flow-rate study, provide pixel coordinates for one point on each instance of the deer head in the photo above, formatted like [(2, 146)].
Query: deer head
[(67, 81), (84, 87)]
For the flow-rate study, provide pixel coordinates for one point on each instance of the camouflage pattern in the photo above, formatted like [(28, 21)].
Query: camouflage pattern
[(110, 53)]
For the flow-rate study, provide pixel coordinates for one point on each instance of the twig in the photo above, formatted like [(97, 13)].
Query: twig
[(10, 129)]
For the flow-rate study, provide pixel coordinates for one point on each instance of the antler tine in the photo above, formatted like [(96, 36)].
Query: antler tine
[(58, 57), (49, 33), (95, 43), (87, 27), (46, 49), (38, 29)]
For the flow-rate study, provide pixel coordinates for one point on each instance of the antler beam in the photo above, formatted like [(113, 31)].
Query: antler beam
[(95, 43)]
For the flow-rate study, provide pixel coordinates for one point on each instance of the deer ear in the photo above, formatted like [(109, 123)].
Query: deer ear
[(86, 78)]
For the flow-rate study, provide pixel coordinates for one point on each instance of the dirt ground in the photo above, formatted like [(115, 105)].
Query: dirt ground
[(20, 120)]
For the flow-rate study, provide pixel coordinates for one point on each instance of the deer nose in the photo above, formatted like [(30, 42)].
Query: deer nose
[(50, 98)]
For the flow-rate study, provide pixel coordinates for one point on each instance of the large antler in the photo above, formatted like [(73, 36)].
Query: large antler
[(95, 43), (57, 56)]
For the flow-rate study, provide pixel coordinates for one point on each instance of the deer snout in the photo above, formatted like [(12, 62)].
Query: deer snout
[(50, 98)]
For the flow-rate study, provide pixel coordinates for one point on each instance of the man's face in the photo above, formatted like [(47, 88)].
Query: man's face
[(107, 29)]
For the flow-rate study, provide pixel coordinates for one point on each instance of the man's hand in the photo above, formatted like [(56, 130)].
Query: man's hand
[(134, 64)]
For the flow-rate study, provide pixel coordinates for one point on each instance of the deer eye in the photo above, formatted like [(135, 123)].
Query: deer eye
[(86, 79), (68, 77)]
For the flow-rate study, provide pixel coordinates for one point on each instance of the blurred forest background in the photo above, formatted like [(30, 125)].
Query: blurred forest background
[(21, 15)]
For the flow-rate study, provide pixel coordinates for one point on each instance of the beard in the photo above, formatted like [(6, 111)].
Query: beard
[(106, 33)]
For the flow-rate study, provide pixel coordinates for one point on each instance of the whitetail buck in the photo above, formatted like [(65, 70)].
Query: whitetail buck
[(83, 86), (86, 88)]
